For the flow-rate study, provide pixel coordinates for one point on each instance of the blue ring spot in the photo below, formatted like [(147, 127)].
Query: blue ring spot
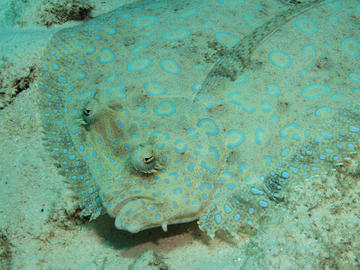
[(273, 89), (309, 50), (203, 186), (304, 24), (188, 13), (283, 130), (141, 108), (354, 129), (180, 150), (110, 56), (156, 87), (268, 160), (209, 24), (116, 90), (226, 39), (93, 49), (162, 103), (143, 63), (263, 204), (244, 77), (241, 139), (285, 152), (310, 87), (318, 111), (348, 45), (246, 16), (86, 94), (170, 66), (144, 21), (196, 87), (332, 19), (282, 54), (83, 76), (139, 48), (266, 106), (333, 4), (176, 34), (114, 31), (355, 77), (211, 122), (235, 101), (111, 78)]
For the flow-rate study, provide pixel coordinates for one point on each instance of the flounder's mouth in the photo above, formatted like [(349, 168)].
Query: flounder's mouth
[(141, 213)]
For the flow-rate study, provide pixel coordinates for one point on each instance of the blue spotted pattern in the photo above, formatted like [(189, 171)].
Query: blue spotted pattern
[(157, 114)]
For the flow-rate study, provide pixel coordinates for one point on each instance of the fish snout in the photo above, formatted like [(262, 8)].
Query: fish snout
[(139, 214)]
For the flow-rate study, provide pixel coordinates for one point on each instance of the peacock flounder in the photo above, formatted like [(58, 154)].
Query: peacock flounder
[(164, 112)]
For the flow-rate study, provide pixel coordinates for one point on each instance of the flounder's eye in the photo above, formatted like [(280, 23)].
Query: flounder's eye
[(144, 160), (148, 159), (86, 117), (87, 112)]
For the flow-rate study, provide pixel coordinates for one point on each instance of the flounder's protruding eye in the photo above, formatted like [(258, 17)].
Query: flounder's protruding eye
[(148, 159), (144, 160), (88, 113)]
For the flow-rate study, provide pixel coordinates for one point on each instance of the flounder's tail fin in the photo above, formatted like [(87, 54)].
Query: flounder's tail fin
[(229, 67)]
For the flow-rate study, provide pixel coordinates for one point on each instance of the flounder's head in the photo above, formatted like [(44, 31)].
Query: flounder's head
[(155, 161)]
